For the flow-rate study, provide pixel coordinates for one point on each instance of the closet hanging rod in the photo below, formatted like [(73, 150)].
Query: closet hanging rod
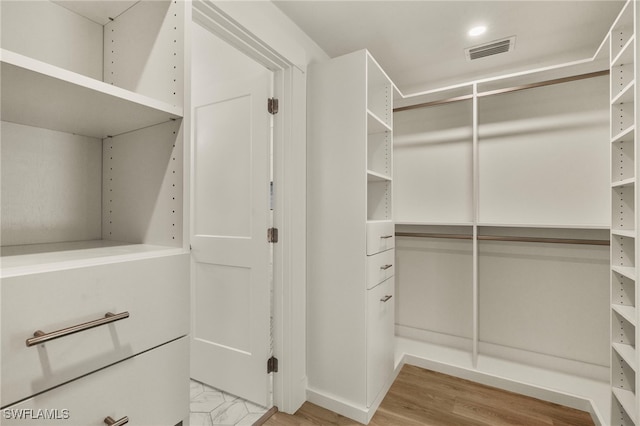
[(505, 90), (507, 238)]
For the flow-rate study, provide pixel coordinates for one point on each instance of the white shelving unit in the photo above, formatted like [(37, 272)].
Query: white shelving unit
[(624, 315), (93, 166), (350, 309)]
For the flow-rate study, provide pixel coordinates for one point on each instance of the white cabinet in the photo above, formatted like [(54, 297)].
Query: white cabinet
[(92, 185), (350, 235)]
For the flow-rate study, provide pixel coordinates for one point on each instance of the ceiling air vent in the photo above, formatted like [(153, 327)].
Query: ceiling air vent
[(490, 49)]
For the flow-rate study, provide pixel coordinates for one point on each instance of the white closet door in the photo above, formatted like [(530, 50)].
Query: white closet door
[(231, 339)]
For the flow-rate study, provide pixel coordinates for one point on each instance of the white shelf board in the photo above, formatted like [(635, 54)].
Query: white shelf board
[(545, 225), (377, 177), (375, 124), (627, 312), (624, 233), (628, 401), (41, 95), (626, 133), (625, 56), (626, 271), (466, 224), (374, 221), (625, 95), (628, 353), (623, 182), (37, 258)]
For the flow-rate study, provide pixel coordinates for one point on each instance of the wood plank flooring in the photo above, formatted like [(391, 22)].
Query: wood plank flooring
[(420, 397)]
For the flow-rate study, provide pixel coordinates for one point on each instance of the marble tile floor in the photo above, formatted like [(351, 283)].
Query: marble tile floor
[(211, 407)]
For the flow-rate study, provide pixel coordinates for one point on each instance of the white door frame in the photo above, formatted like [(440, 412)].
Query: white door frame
[(289, 162)]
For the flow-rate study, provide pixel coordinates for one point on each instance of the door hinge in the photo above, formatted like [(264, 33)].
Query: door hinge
[(272, 235), (272, 365), (272, 105)]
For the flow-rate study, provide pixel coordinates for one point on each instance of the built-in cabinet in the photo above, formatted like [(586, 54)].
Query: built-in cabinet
[(624, 166), (95, 264), (350, 309)]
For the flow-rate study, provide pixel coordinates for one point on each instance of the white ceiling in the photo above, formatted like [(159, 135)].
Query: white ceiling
[(420, 43)]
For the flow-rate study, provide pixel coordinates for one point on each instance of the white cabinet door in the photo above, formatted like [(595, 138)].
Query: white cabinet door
[(380, 329), (231, 214)]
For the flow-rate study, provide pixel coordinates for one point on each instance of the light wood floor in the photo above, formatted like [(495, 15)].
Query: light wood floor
[(421, 397)]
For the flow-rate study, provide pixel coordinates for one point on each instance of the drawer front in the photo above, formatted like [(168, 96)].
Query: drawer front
[(155, 293), (380, 267), (150, 389), (380, 332), (380, 237)]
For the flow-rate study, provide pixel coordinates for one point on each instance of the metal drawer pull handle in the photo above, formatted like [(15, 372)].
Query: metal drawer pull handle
[(41, 337), (386, 236), (385, 267), (386, 298), (123, 421)]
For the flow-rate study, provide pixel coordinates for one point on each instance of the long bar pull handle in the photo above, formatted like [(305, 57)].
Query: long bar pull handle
[(123, 421), (385, 267), (41, 337), (386, 298), (384, 237)]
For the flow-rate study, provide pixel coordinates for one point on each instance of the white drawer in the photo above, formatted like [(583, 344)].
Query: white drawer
[(380, 236), (380, 267), (380, 332), (150, 389), (155, 293)]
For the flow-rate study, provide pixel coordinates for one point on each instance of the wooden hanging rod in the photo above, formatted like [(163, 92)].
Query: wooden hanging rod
[(506, 238), (506, 90)]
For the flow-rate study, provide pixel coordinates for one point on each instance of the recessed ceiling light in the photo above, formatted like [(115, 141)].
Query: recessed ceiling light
[(476, 31)]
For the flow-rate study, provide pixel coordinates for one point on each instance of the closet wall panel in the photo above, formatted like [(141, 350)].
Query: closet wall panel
[(433, 159), (42, 30), (545, 298), (433, 281), (60, 176), (540, 155)]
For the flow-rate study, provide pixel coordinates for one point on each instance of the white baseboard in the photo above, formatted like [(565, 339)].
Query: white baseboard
[(535, 359)]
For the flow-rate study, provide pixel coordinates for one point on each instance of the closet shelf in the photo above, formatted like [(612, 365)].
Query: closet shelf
[(623, 182), (624, 233), (544, 225), (626, 312), (625, 271), (628, 353), (625, 95), (375, 124), (628, 401), (409, 223), (37, 94), (37, 258), (377, 177), (626, 134)]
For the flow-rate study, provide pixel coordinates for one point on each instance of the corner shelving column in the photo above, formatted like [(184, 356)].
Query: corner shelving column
[(350, 239), (624, 315)]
